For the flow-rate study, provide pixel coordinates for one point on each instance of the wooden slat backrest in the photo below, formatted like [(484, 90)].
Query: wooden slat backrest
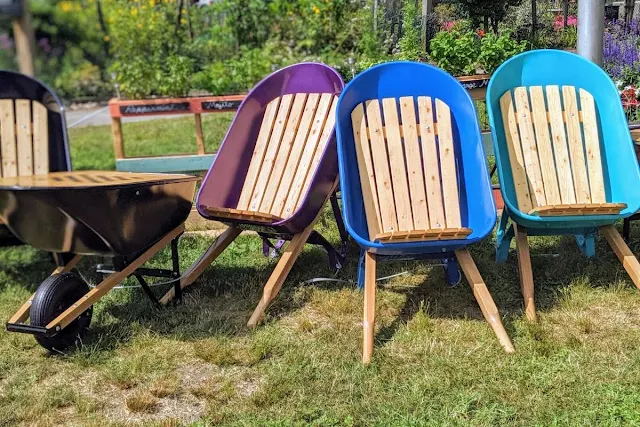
[(553, 145), (407, 168), (294, 132), (24, 138)]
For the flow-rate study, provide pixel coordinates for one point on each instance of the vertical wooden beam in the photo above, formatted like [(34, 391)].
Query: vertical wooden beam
[(118, 140), (369, 323), (25, 40), (199, 134)]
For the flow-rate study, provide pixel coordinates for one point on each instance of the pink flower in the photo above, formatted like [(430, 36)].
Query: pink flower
[(447, 26)]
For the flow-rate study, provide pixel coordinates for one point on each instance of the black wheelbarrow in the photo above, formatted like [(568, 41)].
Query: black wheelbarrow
[(127, 217)]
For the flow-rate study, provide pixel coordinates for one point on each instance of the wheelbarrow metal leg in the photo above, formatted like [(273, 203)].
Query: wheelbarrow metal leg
[(70, 314), (198, 267)]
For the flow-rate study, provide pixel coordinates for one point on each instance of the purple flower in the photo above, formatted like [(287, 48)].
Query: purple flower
[(6, 43)]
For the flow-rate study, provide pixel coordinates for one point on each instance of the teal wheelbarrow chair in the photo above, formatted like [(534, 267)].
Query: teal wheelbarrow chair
[(564, 156)]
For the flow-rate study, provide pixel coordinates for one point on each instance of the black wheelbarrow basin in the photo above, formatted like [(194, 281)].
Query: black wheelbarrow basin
[(95, 212)]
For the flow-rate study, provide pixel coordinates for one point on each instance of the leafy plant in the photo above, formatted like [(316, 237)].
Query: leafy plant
[(456, 52), (494, 50), (410, 44)]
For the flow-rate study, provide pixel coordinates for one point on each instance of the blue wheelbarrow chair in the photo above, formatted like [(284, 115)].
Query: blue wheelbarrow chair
[(413, 177), (564, 156)]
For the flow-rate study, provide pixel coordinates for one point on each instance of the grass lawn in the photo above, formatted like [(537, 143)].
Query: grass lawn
[(436, 361)]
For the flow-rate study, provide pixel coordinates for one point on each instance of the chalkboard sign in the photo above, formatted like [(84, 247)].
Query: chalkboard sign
[(475, 84), (11, 8), (220, 105), (141, 109)]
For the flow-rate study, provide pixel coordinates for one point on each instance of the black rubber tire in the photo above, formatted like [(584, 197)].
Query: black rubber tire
[(57, 293)]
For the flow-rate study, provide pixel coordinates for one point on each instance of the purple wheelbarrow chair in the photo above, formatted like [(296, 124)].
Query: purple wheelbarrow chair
[(275, 170)]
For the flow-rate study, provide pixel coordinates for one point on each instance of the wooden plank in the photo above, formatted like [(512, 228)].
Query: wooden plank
[(592, 147), (79, 179), (8, 138), (281, 271), (325, 136), (40, 138), (419, 209), (622, 251), (431, 165), (397, 165), (543, 143), (365, 169), (424, 235), (576, 149), (24, 137), (284, 150), (514, 149), (272, 151), (72, 313), (259, 150), (448, 166), (166, 164), (118, 140), (381, 167), (300, 178), (529, 147), (485, 301), (199, 135), (296, 152), (369, 313), (561, 152), (200, 265)]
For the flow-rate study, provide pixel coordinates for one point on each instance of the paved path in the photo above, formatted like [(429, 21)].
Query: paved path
[(103, 117)]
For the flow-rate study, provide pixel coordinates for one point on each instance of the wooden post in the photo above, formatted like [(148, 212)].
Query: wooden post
[(427, 9), (118, 141), (199, 135), (25, 40)]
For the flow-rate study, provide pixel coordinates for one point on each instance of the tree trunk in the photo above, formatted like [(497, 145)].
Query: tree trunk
[(534, 21), (103, 27), (628, 10), (565, 12)]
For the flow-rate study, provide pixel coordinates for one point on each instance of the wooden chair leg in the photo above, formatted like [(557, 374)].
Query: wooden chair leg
[(369, 322), (624, 254), (205, 260), (526, 272), (280, 273), (480, 291)]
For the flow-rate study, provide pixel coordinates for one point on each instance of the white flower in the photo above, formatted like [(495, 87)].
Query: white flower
[(618, 83)]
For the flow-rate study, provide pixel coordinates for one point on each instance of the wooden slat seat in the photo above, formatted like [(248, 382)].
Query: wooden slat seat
[(82, 179), (293, 135), (238, 214), (554, 151), (24, 138), (408, 169)]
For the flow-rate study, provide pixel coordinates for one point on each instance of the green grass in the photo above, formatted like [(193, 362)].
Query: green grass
[(436, 361), (92, 147)]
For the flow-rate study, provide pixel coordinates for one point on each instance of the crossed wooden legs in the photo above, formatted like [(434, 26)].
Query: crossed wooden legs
[(279, 274), (617, 243), (480, 291), (526, 272)]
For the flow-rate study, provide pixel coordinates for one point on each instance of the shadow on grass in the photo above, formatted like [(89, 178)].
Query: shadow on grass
[(223, 298)]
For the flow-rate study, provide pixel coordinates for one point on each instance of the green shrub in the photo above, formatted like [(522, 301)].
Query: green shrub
[(494, 50), (84, 80), (455, 52), (410, 44)]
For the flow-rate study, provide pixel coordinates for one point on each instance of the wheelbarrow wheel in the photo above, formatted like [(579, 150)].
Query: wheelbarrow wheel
[(57, 293)]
